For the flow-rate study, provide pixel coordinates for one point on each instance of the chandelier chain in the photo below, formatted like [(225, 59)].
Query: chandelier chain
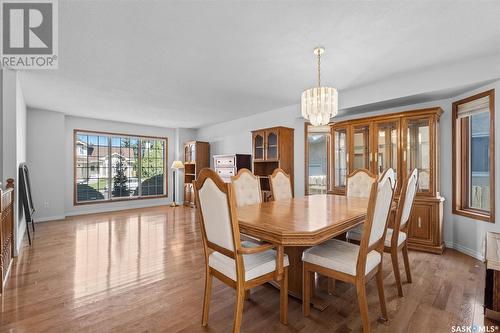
[(319, 69)]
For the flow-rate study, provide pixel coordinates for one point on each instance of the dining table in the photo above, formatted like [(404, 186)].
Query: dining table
[(295, 224)]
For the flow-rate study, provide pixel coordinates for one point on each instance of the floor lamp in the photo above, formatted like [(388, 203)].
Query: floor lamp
[(176, 165)]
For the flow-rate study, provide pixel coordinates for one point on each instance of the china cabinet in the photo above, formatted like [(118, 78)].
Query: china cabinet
[(402, 141), (196, 157), (272, 148)]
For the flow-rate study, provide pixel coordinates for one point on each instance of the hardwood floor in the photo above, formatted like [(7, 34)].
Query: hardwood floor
[(142, 270)]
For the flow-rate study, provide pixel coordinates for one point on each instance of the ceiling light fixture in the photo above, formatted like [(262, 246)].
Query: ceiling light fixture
[(319, 104)]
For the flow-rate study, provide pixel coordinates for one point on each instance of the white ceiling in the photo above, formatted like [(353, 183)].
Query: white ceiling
[(193, 63)]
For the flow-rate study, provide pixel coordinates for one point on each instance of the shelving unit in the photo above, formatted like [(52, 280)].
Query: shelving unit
[(196, 157), (272, 149)]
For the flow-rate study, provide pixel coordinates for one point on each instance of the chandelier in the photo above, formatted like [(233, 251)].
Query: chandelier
[(319, 104)]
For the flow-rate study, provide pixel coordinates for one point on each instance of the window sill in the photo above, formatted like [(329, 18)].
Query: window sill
[(119, 200), (474, 215)]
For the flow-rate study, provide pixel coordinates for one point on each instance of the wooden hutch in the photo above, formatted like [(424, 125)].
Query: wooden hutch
[(196, 157), (272, 148), (402, 141), (7, 241)]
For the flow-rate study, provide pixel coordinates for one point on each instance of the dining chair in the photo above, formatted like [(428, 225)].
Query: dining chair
[(359, 183), (396, 237), (246, 188), (281, 186), (240, 265), (355, 264)]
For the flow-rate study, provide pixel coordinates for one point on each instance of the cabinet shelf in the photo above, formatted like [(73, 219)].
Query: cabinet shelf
[(196, 157)]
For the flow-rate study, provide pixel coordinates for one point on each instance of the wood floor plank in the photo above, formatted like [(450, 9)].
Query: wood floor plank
[(142, 270)]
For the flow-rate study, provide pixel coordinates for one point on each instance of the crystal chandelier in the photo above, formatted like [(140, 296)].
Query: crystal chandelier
[(319, 104)]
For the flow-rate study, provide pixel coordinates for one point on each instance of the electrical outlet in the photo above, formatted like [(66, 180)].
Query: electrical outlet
[(46, 204)]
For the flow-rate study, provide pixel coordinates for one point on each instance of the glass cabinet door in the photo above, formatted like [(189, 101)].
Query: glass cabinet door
[(258, 146), (318, 153), (418, 154), (193, 152), (386, 136), (361, 147), (339, 157), (189, 153), (272, 145)]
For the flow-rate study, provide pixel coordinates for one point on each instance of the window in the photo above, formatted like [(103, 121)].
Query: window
[(473, 157), (118, 167)]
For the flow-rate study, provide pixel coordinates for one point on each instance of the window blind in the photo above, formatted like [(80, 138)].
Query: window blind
[(474, 107)]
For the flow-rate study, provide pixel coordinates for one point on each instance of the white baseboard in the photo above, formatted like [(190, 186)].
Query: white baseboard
[(21, 231), (473, 253), (98, 211), (111, 208), (50, 218)]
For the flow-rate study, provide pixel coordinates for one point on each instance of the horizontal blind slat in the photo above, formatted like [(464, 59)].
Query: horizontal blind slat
[(474, 107)]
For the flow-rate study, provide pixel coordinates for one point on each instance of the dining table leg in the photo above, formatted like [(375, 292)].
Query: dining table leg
[(279, 269)]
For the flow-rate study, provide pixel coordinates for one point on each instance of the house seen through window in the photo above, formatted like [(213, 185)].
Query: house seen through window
[(110, 167)]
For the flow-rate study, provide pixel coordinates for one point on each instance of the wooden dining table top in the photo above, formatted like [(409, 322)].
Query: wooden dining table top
[(304, 221)]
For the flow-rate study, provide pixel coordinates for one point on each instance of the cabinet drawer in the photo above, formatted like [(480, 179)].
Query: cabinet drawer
[(420, 223), (224, 161), (226, 172)]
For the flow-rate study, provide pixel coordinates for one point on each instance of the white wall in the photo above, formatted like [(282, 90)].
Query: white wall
[(13, 142), (9, 124), (50, 159), (21, 125), (462, 233), (235, 137), (46, 162)]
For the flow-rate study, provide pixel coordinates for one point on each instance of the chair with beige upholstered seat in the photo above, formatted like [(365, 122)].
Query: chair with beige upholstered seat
[(281, 186), (246, 188), (246, 192), (396, 239), (352, 263), (241, 265), (359, 183)]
